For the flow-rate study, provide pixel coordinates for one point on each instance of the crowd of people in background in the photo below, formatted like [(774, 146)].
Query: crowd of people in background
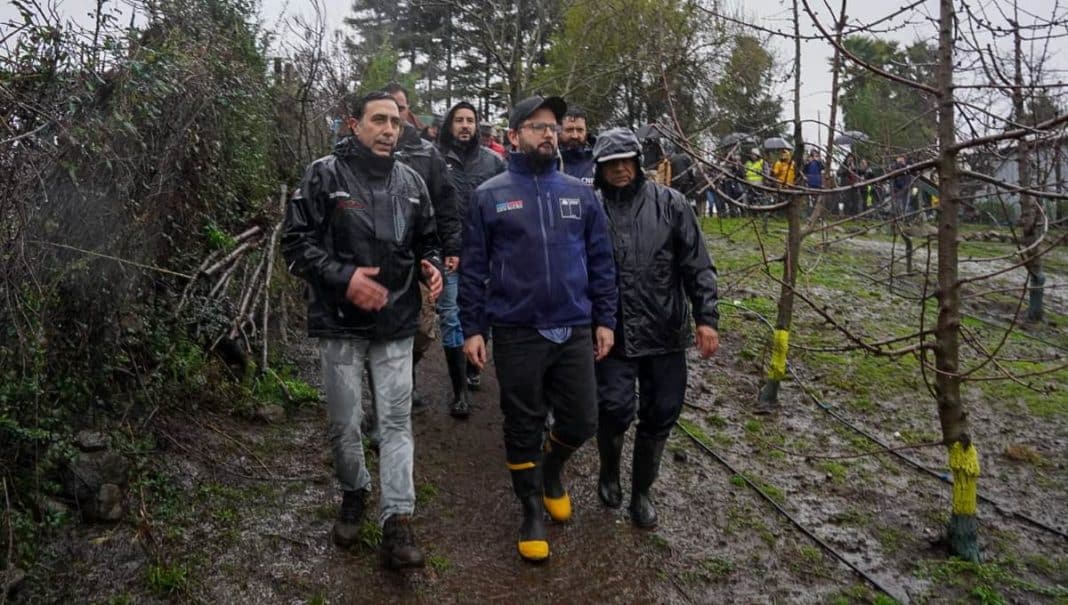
[(732, 183)]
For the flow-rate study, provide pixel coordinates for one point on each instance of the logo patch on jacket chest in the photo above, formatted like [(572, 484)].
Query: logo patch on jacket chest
[(571, 207), (350, 204), (511, 205)]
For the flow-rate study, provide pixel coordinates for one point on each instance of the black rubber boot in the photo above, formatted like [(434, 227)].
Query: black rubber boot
[(474, 377), (457, 363), (610, 450), (557, 500), (398, 546), (647, 454), (349, 517), (533, 542)]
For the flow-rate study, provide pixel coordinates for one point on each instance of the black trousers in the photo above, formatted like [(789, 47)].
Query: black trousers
[(661, 387), (537, 375)]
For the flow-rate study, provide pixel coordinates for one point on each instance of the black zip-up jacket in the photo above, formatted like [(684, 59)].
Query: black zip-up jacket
[(662, 265), (469, 165), (354, 209), (424, 158)]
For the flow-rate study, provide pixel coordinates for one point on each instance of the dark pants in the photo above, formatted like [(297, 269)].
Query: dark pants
[(537, 375), (662, 385)]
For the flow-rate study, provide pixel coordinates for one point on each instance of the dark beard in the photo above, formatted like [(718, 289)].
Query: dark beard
[(539, 163), (467, 146)]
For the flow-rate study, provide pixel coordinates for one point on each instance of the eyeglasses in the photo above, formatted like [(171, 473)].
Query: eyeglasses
[(541, 127)]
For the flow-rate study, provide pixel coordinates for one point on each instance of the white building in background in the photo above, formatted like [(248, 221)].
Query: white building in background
[(1049, 171)]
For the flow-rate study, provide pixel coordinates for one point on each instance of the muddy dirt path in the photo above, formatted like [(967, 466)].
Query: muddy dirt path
[(247, 509)]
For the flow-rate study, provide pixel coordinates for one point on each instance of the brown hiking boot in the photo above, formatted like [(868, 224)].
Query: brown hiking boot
[(398, 546), (349, 517)]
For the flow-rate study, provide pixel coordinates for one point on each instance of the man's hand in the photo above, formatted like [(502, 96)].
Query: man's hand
[(605, 339), (433, 279), (475, 350), (452, 263), (365, 292), (707, 341)]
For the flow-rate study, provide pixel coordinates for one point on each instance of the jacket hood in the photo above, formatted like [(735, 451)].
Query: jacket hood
[(614, 144), (445, 138), (409, 137)]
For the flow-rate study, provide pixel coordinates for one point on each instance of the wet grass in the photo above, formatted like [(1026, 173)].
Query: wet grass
[(987, 582), (370, 534), (717, 569), (439, 563), (742, 519), (167, 580), (860, 593), (836, 471), (852, 517), (425, 493)]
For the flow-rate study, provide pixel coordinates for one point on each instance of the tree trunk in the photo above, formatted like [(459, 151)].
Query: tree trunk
[(1030, 212), (768, 399), (836, 70), (1058, 175), (963, 457)]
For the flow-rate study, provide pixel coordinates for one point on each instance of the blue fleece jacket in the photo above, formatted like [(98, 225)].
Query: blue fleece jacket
[(536, 253)]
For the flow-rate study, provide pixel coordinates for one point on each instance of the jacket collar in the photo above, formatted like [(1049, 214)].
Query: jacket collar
[(356, 154)]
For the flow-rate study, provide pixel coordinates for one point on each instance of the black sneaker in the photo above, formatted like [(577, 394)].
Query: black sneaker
[(398, 546)]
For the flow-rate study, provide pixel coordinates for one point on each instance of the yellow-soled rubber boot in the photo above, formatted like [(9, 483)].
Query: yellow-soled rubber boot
[(533, 544), (555, 497)]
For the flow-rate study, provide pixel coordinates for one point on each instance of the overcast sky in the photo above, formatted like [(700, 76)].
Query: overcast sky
[(771, 14)]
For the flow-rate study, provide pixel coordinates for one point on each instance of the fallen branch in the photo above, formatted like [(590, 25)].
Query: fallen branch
[(270, 270), (112, 258), (229, 258), (220, 286)]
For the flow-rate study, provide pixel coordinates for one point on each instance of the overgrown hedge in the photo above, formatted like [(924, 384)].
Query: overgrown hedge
[(127, 152)]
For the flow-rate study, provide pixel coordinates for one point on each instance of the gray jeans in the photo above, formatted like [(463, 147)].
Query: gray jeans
[(391, 372)]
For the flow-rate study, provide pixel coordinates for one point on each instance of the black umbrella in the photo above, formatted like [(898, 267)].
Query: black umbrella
[(649, 131), (735, 138), (777, 143), (851, 137)]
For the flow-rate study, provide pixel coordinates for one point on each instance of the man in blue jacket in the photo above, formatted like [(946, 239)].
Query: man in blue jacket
[(538, 268)]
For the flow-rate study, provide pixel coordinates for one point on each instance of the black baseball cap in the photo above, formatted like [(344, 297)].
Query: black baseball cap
[(528, 106)]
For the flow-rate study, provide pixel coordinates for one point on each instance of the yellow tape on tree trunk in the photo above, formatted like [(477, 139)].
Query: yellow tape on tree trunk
[(964, 463), (780, 344)]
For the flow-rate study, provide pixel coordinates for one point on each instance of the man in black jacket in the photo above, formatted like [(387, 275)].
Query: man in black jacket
[(421, 155), (360, 230), (663, 269), (470, 164)]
